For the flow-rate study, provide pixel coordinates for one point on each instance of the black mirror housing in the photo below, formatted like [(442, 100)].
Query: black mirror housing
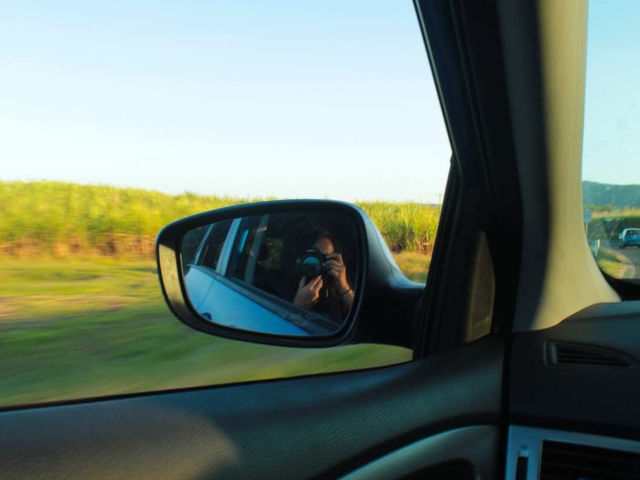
[(384, 303)]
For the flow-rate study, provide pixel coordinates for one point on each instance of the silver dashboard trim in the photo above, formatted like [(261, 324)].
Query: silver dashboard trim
[(475, 444), (527, 441)]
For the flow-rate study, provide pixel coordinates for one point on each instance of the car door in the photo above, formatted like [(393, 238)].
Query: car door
[(440, 416)]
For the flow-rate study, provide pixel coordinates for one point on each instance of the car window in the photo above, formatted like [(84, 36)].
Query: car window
[(210, 249), (611, 151), (246, 241), (268, 249), (119, 118)]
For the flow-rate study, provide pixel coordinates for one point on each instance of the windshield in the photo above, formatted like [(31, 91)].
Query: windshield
[(611, 148)]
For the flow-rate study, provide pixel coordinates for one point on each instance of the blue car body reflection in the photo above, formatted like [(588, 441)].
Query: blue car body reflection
[(216, 300)]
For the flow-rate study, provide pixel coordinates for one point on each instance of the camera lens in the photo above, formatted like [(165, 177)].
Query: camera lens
[(310, 264)]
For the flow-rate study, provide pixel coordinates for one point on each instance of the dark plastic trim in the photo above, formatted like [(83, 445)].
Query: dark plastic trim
[(599, 399), (627, 288), (483, 194)]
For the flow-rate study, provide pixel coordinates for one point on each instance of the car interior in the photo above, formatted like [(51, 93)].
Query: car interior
[(526, 356)]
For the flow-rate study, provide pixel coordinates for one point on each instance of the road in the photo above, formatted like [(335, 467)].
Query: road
[(632, 254)]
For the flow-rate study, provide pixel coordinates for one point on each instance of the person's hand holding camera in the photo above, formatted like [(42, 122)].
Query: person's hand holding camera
[(308, 293), (336, 271)]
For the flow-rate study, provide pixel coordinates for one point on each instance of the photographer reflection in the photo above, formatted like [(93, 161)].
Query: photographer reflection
[(324, 286)]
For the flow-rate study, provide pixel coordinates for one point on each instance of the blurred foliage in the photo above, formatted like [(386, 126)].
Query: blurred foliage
[(613, 262), (608, 225), (75, 322), (65, 218), (414, 265), (405, 226), (93, 327), (62, 219)]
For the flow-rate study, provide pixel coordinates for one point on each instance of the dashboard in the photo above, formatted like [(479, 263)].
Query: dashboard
[(574, 397)]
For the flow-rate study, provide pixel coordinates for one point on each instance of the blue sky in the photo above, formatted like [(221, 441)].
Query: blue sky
[(611, 152), (328, 99)]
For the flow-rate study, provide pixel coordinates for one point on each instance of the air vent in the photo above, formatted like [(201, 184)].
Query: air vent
[(567, 461), (561, 353)]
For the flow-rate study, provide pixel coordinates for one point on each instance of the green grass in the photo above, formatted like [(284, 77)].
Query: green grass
[(612, 262), (93, 327), (81, 313), (414, 265)]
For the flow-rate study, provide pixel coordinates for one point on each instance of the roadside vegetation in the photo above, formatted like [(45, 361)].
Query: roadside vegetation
[(69, 220), (94, 327), (612, 262), (81, 312), (607, 222), (606, 225)]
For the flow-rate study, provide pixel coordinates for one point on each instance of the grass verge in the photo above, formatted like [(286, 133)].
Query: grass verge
[(93, 327), (612, 262)]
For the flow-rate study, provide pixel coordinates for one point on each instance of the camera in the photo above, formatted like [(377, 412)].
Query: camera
[(311, 264)]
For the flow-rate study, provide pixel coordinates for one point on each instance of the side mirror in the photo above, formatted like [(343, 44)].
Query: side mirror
[(298, 273)]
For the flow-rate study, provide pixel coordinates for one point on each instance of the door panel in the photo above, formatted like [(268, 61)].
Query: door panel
[(326, 425), (463, 453)]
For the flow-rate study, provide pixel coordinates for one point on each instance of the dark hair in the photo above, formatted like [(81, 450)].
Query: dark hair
[(321, 231)]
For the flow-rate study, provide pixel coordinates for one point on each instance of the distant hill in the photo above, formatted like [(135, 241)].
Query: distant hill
[(601, 194)]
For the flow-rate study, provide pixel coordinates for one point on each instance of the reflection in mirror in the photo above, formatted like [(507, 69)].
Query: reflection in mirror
[(284, 274)]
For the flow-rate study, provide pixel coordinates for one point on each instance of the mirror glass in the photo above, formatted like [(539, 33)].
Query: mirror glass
[(288, 273)]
